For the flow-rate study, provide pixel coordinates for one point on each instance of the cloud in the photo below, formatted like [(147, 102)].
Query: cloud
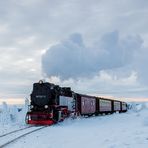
[(72, 59)]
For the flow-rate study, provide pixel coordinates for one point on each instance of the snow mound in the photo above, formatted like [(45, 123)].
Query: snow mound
[(137, 107), (12, 115)]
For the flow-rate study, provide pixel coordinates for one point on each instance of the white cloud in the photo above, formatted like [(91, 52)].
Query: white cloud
[(72, 59)]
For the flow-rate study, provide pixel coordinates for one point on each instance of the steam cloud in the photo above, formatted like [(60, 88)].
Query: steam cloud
[(72, 59)]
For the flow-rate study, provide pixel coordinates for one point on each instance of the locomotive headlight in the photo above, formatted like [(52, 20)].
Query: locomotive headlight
[(46, 106), (31, 107)]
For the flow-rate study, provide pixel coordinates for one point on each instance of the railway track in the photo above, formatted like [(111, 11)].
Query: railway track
[(15, 131), (11, 137)]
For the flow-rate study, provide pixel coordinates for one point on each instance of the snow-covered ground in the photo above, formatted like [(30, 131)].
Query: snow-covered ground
[(126, 130)]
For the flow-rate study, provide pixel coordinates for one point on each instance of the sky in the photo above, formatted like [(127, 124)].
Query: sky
[(94, 46)]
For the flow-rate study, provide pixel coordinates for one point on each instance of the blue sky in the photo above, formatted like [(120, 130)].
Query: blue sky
[(95, 46)]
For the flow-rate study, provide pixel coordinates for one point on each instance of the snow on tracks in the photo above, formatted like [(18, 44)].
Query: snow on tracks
[(13, 136)]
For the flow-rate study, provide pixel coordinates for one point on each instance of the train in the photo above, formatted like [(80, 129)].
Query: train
[(50, 104)]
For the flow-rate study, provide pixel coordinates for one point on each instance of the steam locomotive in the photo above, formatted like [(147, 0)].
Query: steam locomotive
[(51, 103)]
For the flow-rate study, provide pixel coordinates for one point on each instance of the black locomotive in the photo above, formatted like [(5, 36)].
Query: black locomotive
[(51, 103)]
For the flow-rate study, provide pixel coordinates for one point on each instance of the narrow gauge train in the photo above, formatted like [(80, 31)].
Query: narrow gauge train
[(51, 103)]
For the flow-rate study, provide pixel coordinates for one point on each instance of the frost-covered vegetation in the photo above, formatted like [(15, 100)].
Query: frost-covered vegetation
[(12, 114)]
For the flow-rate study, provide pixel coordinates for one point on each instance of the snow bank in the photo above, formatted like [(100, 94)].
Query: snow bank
[(137, 107), (10, 114), (141, 111)]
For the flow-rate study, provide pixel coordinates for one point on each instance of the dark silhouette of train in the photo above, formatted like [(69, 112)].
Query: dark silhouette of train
[(51, 103)]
